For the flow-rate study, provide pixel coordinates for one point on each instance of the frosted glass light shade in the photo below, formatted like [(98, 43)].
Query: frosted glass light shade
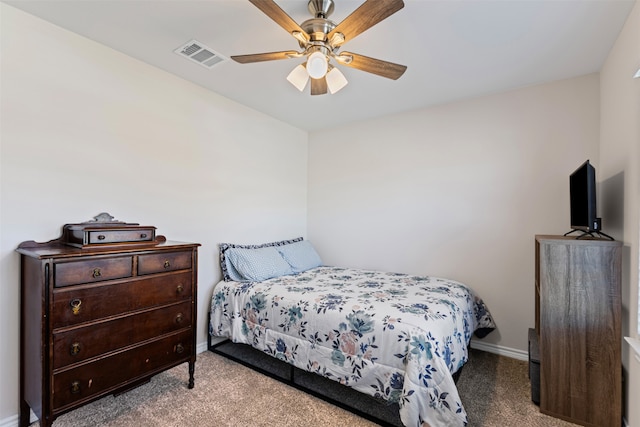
[(335, 80), (317, 65), (298, 77)]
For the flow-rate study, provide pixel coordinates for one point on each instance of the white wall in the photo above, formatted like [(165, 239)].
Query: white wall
[(620, 175), (456, 191), (86, 129)]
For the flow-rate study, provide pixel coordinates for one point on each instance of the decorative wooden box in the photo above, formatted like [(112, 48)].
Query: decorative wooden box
[(103, 231)]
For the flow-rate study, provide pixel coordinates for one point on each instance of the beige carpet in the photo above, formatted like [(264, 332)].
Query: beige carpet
[(495, 392)]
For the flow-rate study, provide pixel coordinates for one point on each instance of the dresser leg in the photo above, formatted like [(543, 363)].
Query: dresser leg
[(192, 369)]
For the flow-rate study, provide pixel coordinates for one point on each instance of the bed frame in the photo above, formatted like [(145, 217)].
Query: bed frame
[(369, 407)]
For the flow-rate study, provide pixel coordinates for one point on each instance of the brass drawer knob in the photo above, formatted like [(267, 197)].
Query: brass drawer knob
[(75, 349), (102, 237), (75, 387), (167, 264), (96, 273), (179, 289), (179, 348), (75, 306), (179, 318), (143, 235)]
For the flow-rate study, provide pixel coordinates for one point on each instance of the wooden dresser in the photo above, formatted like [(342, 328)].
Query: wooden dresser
[(103, 309), (578, 324)]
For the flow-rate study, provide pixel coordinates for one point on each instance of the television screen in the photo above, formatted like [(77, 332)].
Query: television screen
[(582, 189)]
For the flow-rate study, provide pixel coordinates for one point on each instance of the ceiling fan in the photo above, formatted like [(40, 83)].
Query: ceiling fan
[(320, 39)]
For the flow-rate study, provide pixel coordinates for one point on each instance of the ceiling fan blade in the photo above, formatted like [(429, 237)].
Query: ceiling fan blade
[(366, 16), (319, 86), (273, 11), (269, 56), (375, 66)]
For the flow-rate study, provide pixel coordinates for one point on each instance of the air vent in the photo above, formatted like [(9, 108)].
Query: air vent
[(200, 54)]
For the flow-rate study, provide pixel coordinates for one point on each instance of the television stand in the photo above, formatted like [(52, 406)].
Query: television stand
[(579, 348), (598, 234)]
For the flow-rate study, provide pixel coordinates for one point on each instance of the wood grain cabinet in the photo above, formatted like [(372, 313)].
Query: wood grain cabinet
[(101, 320), (578, 323)]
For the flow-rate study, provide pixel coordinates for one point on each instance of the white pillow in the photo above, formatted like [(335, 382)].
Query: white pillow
[(258, 264), (301, 256)]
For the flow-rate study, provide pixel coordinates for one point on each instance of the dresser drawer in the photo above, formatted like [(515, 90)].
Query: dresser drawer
[(92, 270), (106, 375), (77, 304), (167, 261), (105, 237), (79, 344)]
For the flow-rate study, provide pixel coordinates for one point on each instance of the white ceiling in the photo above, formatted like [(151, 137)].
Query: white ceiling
[(453, 49)]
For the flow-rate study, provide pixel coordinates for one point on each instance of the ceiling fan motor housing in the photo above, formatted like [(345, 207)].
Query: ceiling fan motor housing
[(320, 8), (318, 28)]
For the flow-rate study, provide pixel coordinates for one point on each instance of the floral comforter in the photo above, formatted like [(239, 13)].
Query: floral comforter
[(394, 336)]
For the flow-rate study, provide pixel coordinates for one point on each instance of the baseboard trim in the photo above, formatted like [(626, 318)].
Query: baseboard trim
[(14, 420), (200, 348), (11, 421), (500, 350)]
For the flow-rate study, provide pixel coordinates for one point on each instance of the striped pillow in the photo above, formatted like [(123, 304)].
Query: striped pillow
[(255, 265), (229, 273)]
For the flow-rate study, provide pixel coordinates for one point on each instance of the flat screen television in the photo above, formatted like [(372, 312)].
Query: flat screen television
[(582, 195)]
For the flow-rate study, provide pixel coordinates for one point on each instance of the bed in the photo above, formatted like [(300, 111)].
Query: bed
[(399, 338)]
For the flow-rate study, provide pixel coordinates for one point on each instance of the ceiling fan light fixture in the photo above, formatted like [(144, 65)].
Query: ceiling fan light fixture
[(335, 80), (320, 39), (298, 77), (317, 65)]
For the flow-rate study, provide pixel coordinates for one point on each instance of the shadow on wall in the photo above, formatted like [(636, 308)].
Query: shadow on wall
[(611, 194), (611, 206)]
